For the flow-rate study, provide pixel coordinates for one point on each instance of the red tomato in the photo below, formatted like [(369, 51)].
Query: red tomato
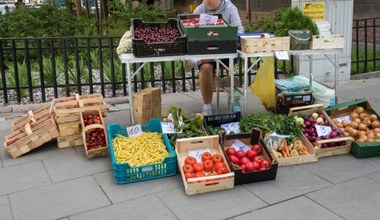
[(218, 165), (222, 170), (234, 159), (189, 175), (258, 159), (198, 167), (266, 164), (240, 153), (208, 165), (217, 158), (190, 160), (256, 148), (206, 156), (188, 168), (251, 154), (244, 160), (230, 151), (249, 167), (199, 174)]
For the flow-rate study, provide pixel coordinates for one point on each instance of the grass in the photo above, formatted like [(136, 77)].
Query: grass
[(371, 67)]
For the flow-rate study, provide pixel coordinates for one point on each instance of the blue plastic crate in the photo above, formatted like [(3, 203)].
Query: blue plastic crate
[(124, 173)]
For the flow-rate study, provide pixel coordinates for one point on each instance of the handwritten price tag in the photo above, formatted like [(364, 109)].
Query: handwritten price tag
[(167, 127), (323, 130), (238, 145), (282, 55), (135, 130), (344, 118), (231, 127), (198, 153), (207, 19)]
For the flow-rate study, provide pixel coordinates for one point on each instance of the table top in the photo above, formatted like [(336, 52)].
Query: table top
[(290, 52), (130, 58)]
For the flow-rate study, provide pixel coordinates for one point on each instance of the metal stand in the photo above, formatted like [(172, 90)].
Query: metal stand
[(129, 59)]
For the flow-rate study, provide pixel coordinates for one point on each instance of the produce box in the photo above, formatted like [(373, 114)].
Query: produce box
[(145, 44), (329, 146), (94, 134), (41, 113), (211, 47), (124, 173), (264, 44), (327, 42), (275, 144), (286, 100), (360, 148), (194, 31), (241, 176), (32, 136), (70, 141), (189, 146)]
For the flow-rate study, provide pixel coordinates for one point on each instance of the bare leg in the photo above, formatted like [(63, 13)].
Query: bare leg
[(206, 82)]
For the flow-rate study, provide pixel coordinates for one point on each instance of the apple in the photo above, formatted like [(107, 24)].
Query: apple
[(256, 148), (251, 154)]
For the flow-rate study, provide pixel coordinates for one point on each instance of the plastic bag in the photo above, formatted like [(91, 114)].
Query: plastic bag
[(264, 87)]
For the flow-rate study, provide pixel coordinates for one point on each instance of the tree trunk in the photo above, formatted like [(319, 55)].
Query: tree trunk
[(78, 7)]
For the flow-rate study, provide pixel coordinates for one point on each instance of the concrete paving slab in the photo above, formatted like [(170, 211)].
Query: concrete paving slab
[(67, 167), (291, 182), (59, 200), (118, 193), (5, 208), (354, 199), (337, 169), (22, 177), (300, 208), (49, 150), (120, 117), (375, 176), (213, 205), (5, 127), (149, 207), (178, 97)]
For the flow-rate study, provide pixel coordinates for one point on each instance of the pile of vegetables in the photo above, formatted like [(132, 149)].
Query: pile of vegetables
[(362, 126), (308, 127), (270, 123)]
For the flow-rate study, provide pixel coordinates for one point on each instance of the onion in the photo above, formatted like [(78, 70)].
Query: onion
[(344, 123), (357, 120), (335, 121), (359, 109), (373, 117), (367, 122), (333, 134), (354, 115), (339, 125), (363, 116), (375, 124), (354, 125), (354, 133), (362, 127)]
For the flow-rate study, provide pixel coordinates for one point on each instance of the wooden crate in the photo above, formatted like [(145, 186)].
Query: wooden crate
[(87, 129), (142, 106), (327, 42), (39, 114), (156, 101), (70, 141), (67, 111), (203, 184), (32, 138), (329, 151), (311, 157), (256, 44), (68, 128)]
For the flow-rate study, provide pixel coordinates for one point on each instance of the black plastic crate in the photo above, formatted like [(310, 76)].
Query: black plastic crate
[(143, 49), (287, 100), (211, 47), (217, 120)]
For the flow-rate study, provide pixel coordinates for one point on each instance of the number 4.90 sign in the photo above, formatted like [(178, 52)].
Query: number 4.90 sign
[(134, 130)]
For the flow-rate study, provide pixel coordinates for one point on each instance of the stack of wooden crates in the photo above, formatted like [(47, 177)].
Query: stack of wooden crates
[(67, 115)]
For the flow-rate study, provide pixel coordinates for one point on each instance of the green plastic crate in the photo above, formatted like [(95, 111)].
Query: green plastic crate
[(208, 33), (359, 150)]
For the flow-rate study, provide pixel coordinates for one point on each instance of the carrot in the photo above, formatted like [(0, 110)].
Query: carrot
[(287, 150), (283, 152)]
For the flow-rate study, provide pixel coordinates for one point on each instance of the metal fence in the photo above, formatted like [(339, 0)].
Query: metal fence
[(365, 45)]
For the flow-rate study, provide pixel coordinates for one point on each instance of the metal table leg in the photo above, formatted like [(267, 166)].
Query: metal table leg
[(132, 117)]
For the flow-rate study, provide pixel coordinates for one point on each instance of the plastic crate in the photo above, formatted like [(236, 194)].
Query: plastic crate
[(211, 47), (143, 49), (124, 173)]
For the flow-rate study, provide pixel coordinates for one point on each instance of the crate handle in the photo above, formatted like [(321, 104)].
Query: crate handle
[(212, 48), (213, 33), (329, 40)]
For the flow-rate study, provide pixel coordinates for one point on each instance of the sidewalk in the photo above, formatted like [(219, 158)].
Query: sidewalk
[(53, 183)]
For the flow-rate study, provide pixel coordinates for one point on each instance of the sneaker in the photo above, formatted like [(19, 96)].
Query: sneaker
[(188, 65), (206, 111)]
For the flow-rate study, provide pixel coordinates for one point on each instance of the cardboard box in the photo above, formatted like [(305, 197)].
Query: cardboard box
[(359, 150), (328, 151), (257, 176), (208, 183)]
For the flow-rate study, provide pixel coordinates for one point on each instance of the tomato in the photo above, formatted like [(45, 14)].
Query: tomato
[(190, 160), (256, 148), (217, 158), (251, 154), (211, 174), (206, 156), (198, 167), (208, 165), (230, 151), (218, 165), (188, 168), (222, 170), (244, 160), (258, 159), (240, 153), (189, 175), (199, 174), (266, 164)]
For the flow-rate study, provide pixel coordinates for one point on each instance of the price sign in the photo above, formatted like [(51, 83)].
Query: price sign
[(135, 130), (198, 153), (231, 127), (238, 145), (167, 127), (282, 55), (344, 118), (322, 130), (207, 19)]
